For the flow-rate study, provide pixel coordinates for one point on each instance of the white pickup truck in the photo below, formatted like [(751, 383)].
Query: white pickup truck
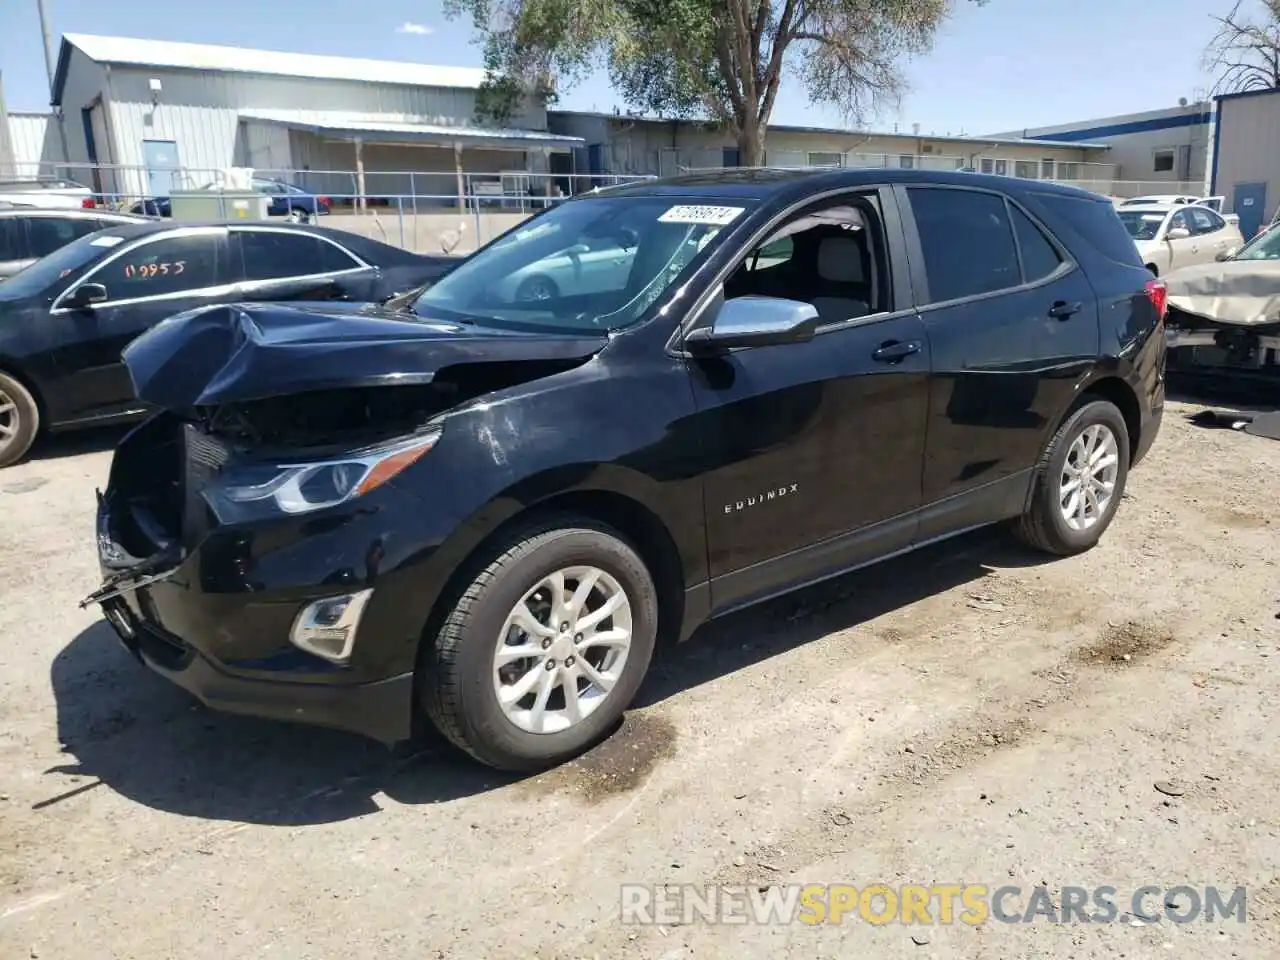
[(45, 193)]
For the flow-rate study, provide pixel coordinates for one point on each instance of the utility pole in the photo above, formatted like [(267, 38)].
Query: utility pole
[(47, 44)]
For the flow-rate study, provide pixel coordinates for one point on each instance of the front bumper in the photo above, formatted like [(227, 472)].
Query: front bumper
[(381, 711), (216, 619)]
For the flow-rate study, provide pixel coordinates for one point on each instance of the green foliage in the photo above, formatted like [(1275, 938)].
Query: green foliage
[(716, 59)]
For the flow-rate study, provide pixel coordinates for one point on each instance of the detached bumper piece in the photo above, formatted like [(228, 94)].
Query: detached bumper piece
[(380, 711)]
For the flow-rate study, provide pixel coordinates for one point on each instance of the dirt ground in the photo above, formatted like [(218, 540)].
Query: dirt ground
[(970, 714)]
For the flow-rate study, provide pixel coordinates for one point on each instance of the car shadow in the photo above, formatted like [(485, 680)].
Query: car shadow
[(73, 443), (128, 729)]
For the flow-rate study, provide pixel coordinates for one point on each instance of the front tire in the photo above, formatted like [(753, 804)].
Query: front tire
[(19, 420), (545, 649), (1079, 482), (299, 216)]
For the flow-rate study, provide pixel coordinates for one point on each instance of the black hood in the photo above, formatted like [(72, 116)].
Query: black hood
[(244, 352)]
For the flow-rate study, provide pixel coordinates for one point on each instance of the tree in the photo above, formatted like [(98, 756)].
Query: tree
[(1244, 53), (723, 60)]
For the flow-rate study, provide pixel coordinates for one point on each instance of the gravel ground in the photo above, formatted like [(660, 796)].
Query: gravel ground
[(968, 714)]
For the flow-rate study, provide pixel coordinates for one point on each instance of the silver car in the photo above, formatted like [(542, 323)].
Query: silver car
[(596, 265)]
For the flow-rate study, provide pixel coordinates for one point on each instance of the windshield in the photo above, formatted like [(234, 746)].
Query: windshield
[(62, 263), (1265, 246), (1141, 226), (594, 264)]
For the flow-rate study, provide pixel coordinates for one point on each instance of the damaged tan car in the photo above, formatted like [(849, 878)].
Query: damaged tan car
[(1224, 317)]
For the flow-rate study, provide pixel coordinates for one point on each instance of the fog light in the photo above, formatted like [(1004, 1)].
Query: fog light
[(327, 628)]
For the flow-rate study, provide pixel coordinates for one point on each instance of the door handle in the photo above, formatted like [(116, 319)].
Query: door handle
[(1061, 310), (893, 351)]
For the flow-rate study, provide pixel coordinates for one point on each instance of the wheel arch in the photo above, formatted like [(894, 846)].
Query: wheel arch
[(15, 370), (634, 520), (1121, 395)]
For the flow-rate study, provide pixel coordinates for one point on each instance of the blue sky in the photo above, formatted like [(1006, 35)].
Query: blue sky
[(1002, 66)]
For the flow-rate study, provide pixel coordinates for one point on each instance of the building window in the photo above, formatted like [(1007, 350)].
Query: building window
[(906, 161), (826, 159), (1025, 169), (1046, 169), (1163, 161), (1068, 171), (987, 165), (1002, 168)]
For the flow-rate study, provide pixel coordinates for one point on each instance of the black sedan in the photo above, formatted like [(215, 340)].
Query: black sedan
[(65, 319)]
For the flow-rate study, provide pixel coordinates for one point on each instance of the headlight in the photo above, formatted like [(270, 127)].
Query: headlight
[(294, 488)]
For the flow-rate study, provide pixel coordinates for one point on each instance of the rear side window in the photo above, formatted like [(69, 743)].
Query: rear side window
[(1097, 222), (47, 234), (276, 255), (967, 242), (13, 239), (1039, 257)]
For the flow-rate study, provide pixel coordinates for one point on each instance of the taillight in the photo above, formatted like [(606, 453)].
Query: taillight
[(323, 201), (1158, 294), (87, 203)]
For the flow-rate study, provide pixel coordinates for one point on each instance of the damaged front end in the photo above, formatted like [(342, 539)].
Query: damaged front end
[(1203, 345), (266, 486)]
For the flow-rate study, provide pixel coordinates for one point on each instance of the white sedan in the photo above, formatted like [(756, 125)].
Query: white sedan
[(594, 266), (1170, 236)]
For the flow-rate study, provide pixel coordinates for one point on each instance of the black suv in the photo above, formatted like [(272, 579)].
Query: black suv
[(484, 507)]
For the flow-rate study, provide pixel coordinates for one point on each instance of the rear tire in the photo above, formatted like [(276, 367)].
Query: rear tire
[(1079, 481), (479, 658), (19, 420)]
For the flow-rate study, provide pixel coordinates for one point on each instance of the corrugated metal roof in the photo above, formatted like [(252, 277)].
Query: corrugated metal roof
[(347, 127), (199, 56)]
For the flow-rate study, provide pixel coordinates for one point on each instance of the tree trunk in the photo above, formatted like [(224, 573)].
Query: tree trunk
[(750, 144)]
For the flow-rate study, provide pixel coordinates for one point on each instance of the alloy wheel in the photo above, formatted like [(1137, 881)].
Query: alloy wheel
[(1088, 481), (562, 649), (9, 422)]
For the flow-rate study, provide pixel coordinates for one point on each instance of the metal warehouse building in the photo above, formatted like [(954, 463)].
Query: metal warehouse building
[(1159, 151), (1246, 156), (151, 116)]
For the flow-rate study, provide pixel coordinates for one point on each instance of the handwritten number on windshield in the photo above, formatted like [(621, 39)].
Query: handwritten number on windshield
[(146, 271)]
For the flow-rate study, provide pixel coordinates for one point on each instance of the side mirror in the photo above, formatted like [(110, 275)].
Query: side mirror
[(86, 295), (1227, 254), (578, 249), (1178, 233), (755, 322)]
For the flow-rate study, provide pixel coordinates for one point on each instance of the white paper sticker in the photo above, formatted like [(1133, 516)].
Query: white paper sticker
[(106, 241), (714, 216)]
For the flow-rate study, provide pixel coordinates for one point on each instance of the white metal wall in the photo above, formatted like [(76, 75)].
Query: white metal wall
[(33, 142), (200, 113), (1249, 147)]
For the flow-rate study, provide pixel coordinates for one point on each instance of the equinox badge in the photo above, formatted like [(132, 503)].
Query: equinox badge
[(760, 498)]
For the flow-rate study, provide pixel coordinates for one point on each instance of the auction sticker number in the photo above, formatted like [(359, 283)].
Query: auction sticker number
[(708, 215), (145, 271)]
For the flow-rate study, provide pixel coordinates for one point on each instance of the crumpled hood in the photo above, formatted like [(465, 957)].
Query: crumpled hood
[(241, 352), (1243, 292)]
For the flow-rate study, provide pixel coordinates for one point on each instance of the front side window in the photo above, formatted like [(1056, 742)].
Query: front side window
[(831, 256), (967, 242), (47, 234), (276, 255), (1141, 226), (593, 264), (13, 242), (171, 265)]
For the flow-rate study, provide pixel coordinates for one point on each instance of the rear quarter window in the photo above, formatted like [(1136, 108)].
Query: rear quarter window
[(1097, 222)]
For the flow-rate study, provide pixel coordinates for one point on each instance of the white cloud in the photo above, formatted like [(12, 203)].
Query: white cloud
[(418, 29)]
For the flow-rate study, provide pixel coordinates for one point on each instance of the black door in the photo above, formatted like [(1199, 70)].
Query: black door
[(811, 445), (283, 264), (1012, 325), (145, 282)]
